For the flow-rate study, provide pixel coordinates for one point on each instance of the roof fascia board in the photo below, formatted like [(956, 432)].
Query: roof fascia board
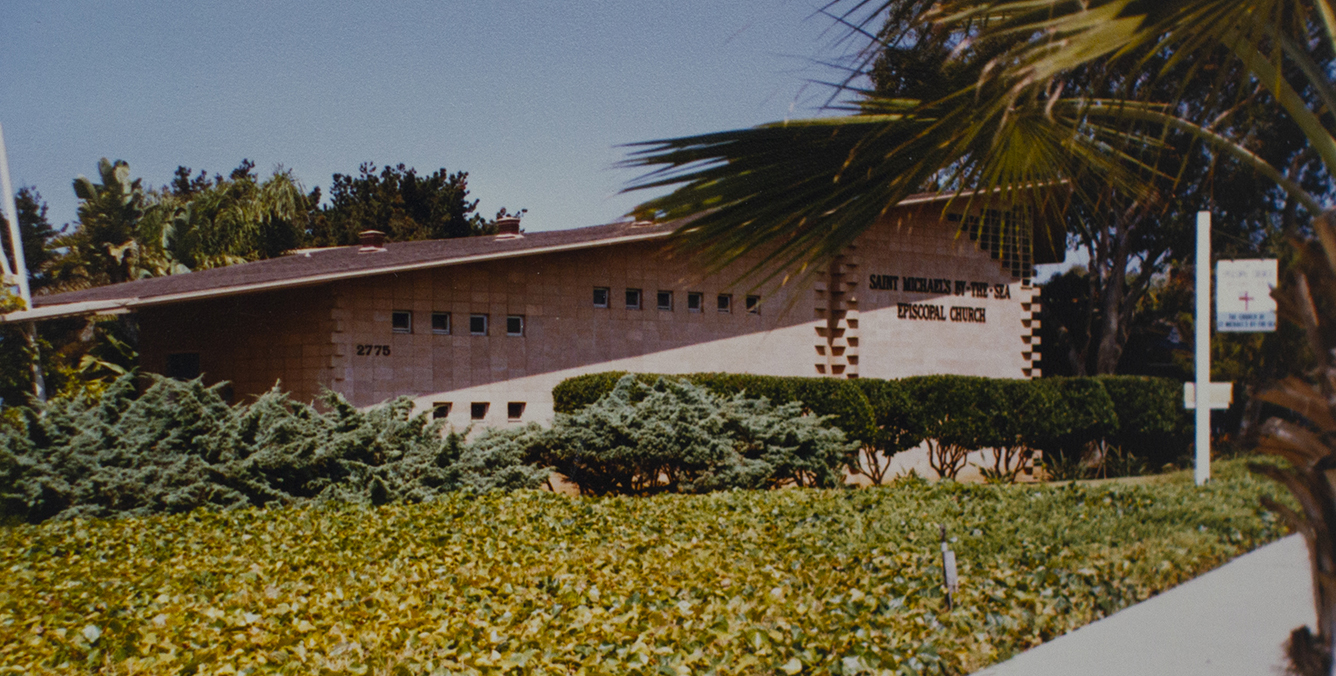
[(125, 304), (90, 307)]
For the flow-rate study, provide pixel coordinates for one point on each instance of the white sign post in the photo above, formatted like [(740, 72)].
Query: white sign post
[(1243, 304), (1201, 470)]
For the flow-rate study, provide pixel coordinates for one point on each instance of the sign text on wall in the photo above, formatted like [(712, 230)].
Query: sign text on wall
[(940, 313), (939, 286)]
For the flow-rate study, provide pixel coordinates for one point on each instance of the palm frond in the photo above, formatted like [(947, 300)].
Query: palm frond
[(804, 190)]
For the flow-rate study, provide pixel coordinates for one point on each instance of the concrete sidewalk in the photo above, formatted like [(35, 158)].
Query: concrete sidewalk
[(1230, 621)]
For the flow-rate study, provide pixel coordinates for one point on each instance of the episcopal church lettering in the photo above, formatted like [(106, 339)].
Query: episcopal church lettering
[(936, 313)]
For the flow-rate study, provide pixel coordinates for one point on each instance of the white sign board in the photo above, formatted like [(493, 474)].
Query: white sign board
[(1218, 395), (1243, 301)]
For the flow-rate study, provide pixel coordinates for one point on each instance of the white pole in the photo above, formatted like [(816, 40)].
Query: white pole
[(1202, 364), (20, 272), (12, 215)]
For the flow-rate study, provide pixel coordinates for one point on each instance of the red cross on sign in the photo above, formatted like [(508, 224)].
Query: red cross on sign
[(1246, 299)]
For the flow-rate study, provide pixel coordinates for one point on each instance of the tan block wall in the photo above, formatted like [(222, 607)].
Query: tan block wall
[(252, 341), (918, 244), (340, 335), (565, 334)]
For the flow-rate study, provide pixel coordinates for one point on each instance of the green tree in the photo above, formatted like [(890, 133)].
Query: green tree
[(198, 222), (398, 202), (104, 247), (37, 235)]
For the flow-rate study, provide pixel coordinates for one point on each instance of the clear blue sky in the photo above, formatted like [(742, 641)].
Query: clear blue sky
[(531, 98)]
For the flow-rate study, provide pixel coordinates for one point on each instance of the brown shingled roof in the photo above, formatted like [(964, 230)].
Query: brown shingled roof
[(316, 266)]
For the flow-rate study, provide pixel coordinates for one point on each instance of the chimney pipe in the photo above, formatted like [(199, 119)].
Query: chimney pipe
[(371, 240), (508, 226)]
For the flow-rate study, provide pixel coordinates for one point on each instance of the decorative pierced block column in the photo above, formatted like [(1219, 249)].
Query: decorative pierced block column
[(836, 311)]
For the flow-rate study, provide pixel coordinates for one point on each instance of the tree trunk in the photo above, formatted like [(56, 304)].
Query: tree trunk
[(1112, 331)]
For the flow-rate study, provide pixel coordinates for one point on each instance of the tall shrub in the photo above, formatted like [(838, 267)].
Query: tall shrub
[(1021, 412), (1152, 422), (896, 425), (954, 417), (1083, 416), (577, 392)]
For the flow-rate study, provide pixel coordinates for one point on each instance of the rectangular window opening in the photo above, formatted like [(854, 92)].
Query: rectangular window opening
[(515, 410), (666, 300), (725, 302), (440, 322), (401, 321), (478, 325), (695, 301), (633, 299), (440, 409), (753, 305), (183, 366), (515, 325), (601, 295), (478, 410)]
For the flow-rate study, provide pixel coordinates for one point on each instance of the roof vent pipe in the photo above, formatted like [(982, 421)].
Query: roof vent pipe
[(371, 240), (508, 225)]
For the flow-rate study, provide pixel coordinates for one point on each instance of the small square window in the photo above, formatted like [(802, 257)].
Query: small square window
[(401, 321), (440, 409), (478, 410), (753, 305), (633, 299), (725, 302), (601, 294), (515, 325), (695, 301), (515, 410), (478, 325), (440, 322), (666, 300)]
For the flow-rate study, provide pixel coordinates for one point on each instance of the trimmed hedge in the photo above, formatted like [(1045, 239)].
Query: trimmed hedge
[(1063, 417), (1152, 422), (954, 414), (895, 426), (1081, 413), (573, 394)]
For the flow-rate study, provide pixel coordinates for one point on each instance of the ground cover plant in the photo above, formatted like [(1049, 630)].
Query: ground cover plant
[(734, 582)]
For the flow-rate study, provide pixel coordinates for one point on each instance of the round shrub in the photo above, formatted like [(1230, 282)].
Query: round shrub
[(675, 436)]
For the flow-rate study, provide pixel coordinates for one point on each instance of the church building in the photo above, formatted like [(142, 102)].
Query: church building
[(479, 330)]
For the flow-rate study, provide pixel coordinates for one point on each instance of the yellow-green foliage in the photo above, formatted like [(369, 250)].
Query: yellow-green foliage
[(736, 582)]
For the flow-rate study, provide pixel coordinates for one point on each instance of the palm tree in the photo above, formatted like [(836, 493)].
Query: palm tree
[(804, 190), (229, 220)]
